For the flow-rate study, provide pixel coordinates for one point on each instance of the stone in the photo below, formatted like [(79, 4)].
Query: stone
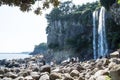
[(6, 70), (6, 78), (1, 76), (67, 77), (20, 78), (11, 75), (28, 78), (2, 71), (54, 76), (101, 72), (35, 75), (45, 77), (111, 65), (45, 68), (81, 78), (103, 78), (79, 68), (74, 73), (115, 72), (115, 54)]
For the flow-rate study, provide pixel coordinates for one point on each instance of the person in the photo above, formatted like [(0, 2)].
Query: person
[(43, 61)]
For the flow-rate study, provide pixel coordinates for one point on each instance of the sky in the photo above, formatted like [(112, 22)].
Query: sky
[(21, 31)]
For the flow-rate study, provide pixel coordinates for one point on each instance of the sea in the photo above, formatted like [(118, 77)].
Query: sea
[(10, 56)]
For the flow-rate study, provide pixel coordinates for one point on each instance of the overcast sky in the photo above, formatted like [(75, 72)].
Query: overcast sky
[(20, 32)]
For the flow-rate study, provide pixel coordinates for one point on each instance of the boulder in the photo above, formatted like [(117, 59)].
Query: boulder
[(81, 78), (1, 76), (103, 78), (35, 75), (6, 78), (29, 78), (67, 77), (2, 71), (44, 77), (54, 76), (19, 78), (74, 73), (101, 73), (11, 75), (114, 54), (45, 68), (6, 70), (25, 73), (115, 72)]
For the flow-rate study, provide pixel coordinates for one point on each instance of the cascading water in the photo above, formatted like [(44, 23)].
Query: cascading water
[(94, 34), (102, 48)]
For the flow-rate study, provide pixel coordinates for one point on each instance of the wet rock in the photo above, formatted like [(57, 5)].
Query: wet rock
[(74, 73), (45, 68), (54, 76)]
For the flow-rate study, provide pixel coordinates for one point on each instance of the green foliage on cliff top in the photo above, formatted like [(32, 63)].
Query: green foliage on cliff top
[(69, 11), (107, 3)]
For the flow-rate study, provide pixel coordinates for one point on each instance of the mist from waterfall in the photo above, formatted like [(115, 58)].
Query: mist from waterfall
[(100, 47)]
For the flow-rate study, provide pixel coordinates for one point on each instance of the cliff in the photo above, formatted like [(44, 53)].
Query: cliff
[(70, 30)]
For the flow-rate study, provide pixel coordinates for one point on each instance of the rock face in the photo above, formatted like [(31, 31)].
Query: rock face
[(115, 9), (70, 33)]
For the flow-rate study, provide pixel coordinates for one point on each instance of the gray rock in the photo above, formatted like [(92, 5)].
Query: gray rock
[(45, 68), (74, 73), (54, 76), (35, 75), (115, 54), (67, 77), (11, 75), (28, 78), (115, 72), (44, 77), (6, 78), (2, 71), (81, 78), (102, 78), (20, 78)]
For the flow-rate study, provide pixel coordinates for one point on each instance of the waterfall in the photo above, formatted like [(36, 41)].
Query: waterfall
[(100, 39), (94, 34)]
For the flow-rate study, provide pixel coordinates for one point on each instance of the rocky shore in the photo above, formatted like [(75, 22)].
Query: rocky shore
[(34, 68)]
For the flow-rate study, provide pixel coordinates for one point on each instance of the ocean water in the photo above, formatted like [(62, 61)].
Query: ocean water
[(10, 56)]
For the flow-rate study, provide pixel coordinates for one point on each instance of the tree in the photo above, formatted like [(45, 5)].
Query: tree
[(27, 5), (107, 3)]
